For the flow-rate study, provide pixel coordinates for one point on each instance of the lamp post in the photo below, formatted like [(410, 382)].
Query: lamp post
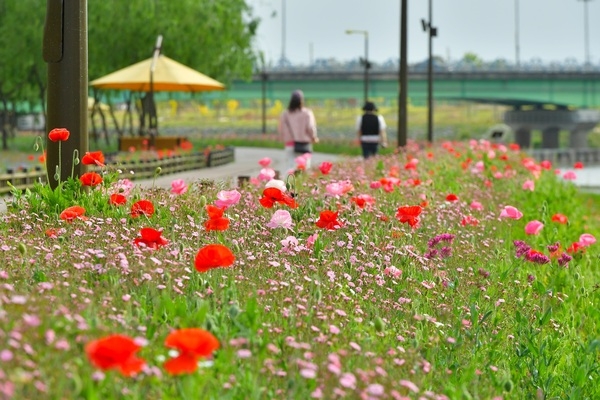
[(586, 32), (427, 27), (366, 59), (402, 87), (517, 49)]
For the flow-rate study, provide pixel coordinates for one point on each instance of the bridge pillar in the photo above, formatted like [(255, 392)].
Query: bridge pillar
[(550, 137), (578, 138), (523, 137), (578, 122)]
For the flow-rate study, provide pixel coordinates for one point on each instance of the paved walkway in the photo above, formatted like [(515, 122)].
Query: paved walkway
[(246, 164)]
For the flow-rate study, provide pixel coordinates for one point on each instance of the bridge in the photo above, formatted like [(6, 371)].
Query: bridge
[(562, 89), (545, 101)]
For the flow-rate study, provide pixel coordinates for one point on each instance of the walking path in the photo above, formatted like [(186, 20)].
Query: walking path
[(246, 164)]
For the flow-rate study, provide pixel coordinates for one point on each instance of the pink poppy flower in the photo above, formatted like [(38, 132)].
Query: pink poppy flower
[(289, 242), (227, 198), (310, 241), (511, 212), (529, 185), (303, 161), (587, 239), (533, 227), (335, 189), (266, 174), (264, 162), (570, 176), (178, 186), (123, 186), (281, 219), (475, 205)]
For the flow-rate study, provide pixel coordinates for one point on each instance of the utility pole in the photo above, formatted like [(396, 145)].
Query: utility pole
[(65, 50), (517, 49), (283, 58), (586, 33), (432, 31), (365, 62), (402, 78)]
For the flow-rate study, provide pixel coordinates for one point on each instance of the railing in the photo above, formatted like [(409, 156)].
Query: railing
[(567, 157), (135, 169)]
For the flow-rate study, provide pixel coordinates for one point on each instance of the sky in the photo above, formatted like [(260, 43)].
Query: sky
[(550, 30)]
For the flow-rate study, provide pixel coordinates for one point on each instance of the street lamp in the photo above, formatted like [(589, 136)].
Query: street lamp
[(427, 27), (586, 32), (517, 49), (365, 62), (402, 76)]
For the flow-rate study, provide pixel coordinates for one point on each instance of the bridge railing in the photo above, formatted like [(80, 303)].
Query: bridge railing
[(567, 157)]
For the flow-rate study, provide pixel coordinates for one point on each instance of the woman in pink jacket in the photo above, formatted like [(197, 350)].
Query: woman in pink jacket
[(298, 130)]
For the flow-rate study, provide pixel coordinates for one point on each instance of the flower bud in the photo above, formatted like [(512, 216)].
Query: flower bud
[(22, 249), (379, 324)]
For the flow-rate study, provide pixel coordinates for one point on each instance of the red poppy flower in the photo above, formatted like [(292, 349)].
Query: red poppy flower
[(273, 195), (90, 179), (58, 134), (560, 218), (451, 197), (71, 213), (117, 199), (192, 344), (51, 233), (409, 214), (216, 221), (115, 352), (359, 201), (142, 207), (151, 237), (547, 165), (328, 220), (578, 165), (514, 147), (93, 158), (469, 220), (576, 247), (213, 256), (325, 167)]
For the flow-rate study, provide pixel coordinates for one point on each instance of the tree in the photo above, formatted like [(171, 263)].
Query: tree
[(21, 54), (124, 32), (189, 30)]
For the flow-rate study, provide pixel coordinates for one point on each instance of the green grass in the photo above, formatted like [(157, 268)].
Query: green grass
[(371, 307)]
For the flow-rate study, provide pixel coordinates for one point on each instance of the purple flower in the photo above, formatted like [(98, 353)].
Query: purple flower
[(521, 248), (446, 252), (564, 259), (536, 257), (444, 237)]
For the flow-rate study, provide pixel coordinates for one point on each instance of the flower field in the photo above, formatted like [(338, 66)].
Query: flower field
[(463, 270)]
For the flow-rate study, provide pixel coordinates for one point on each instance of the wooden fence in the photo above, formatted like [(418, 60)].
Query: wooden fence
[(142, 169)]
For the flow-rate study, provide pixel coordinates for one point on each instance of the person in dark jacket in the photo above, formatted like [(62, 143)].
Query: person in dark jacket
[(370, 128)]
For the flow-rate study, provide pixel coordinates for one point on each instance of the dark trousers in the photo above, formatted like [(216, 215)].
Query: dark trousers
[(369, 149)]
